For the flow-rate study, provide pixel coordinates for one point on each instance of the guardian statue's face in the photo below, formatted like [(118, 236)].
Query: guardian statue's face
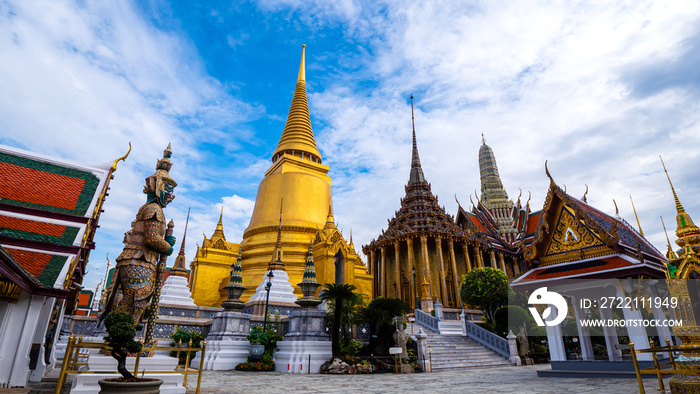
[(165, 193)]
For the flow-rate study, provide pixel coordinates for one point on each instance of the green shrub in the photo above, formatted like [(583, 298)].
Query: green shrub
[(185, 336)]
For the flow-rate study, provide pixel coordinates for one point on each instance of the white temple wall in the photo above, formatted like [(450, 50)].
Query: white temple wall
[(40, 337), (19, 323)]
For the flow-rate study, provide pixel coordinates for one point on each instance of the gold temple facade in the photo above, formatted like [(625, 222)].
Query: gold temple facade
[(211, 268), (295, 198)]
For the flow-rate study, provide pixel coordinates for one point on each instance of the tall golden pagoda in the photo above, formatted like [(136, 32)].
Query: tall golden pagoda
[(299, 179)]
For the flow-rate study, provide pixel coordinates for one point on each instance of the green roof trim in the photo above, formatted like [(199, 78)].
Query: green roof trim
[(67, 239), (84, 199), (52, 270)]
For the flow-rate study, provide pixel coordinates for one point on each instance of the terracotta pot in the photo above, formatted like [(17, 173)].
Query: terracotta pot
[(148, 387)]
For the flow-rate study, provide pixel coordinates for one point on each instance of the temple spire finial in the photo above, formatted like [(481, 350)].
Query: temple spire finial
[(483, 140), (277, 264), (298, 136), (416, 177), (637, 217), (219, 232), (179, 266), (302, 66), (679, 207)]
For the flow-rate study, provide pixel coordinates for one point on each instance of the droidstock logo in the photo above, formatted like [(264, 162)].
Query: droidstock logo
[(540, 297)]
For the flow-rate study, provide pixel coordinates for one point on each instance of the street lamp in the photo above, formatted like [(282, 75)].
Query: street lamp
[(267, 298), (415, 292)]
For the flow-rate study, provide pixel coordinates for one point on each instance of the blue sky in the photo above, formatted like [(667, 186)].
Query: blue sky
[(598, 90)]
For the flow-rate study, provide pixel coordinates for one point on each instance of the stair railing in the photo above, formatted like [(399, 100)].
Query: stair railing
[(430, 322), (488, 339)]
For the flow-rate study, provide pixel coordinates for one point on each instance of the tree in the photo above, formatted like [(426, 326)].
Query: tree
[(120, 337), (379, 314), (339, 295), (486, 288)]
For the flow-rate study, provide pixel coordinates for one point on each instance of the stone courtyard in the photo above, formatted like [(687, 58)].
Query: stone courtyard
[(492, 380)]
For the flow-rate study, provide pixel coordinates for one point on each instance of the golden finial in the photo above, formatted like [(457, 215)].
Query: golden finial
[(679, 207), (483, 140), (584, 199), (277, 264), (123, 158), (302, 67), (546, 171), (636, 217), (670, 253), (617, 211), (458, 204)]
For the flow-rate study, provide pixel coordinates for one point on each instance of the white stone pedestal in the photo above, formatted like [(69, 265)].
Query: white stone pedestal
[(300, 356), (306, 346), (227, 345), (172, 383), (175, 291)]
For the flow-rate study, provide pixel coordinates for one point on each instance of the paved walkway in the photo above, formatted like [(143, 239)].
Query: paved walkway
[(492, 380)]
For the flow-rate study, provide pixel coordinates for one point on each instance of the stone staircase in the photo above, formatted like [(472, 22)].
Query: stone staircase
[(456, 351)]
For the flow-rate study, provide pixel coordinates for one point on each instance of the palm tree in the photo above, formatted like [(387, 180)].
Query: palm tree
[(339, 294)]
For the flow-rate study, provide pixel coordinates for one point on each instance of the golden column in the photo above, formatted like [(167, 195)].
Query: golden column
[(480, 256), (383, 273), (412, 266), (503, 263), (465, 250), (425, 285), (373, 269), (492, 259), (451, 249), (397, 255), (438, 246)]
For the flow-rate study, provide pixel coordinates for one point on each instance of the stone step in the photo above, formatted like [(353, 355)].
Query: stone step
[(460, 352)]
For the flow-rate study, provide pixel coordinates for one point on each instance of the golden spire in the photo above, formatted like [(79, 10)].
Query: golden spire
[(179, 266), (330, 220), (687, 232), (670, 254), (298, 137), (416, 176), (636, 217), (219, 232), (277, 252)]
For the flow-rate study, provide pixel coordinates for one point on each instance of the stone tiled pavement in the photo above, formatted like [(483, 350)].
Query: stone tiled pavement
[(488, 380)]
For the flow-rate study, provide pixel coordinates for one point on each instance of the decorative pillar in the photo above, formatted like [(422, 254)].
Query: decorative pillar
[(492, 259), (584, 336), (479, 256), (611, 342), (411, 265), (397, 255), (638, 335), (426, 299), (465, 250), (373, 271), (451, 249), (382, 269), (438, 246), (503, 263)]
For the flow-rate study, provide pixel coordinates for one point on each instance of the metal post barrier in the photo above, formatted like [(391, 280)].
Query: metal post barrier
[(187, 363), (179, 345), (656, 365), (636, 369), (138, 359), (424, 367), (670, 354), (371, 361), (309, 368), (64, 366), (201, 363)]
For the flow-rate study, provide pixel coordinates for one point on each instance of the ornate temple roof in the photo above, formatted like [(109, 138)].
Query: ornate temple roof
[(420, 213), (49, 209), (575, 240), (298, 135)]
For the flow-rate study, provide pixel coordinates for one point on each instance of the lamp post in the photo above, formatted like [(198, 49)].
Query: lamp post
[(267, 298), (415, 292)]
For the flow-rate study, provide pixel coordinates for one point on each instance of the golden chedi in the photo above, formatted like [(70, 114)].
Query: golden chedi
[(298, 181)]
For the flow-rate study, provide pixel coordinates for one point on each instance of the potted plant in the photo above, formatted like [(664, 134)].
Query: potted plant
[(258, 340), (120, 337)]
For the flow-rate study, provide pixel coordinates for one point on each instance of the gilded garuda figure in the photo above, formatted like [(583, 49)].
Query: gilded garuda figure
[(144, 244)]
